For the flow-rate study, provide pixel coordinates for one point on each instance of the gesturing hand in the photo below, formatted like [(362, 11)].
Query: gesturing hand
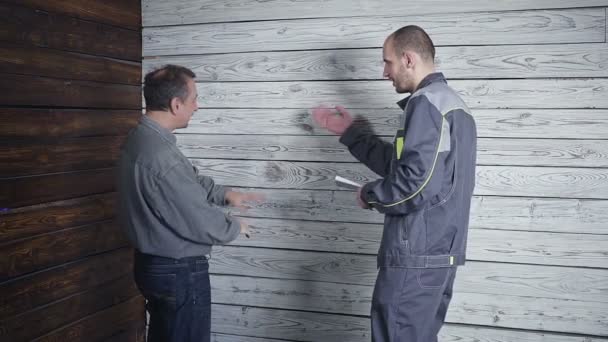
[(335, 120)]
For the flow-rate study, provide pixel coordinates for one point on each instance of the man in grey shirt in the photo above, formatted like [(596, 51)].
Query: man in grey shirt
[(167, 210)]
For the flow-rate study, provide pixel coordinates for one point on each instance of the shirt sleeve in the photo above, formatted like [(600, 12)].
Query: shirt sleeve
[(183, 204)]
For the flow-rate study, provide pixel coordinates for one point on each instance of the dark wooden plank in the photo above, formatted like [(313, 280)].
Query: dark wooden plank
[(122, 13), (17, 192), (481, 62), (33, 254), (25, 90), (25, 26), (584, 25), (504, 123), (32, 291), (77, 154), (52, 63), (565, 182), (43, 320), (49, 217), (206, 11), (65, 123), (122, 322)]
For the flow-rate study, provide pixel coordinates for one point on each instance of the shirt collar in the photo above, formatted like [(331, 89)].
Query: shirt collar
[(162, 131), (428, 80)]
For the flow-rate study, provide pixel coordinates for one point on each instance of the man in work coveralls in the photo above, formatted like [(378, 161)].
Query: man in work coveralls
[(428, 175)]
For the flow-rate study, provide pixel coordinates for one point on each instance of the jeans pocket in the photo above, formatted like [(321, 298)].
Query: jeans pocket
[(433, 278), (159, 288)]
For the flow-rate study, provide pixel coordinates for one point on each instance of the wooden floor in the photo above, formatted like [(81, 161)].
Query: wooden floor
[(535, 74)]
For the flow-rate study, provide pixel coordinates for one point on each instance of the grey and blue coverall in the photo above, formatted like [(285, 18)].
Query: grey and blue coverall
[(428, 176)]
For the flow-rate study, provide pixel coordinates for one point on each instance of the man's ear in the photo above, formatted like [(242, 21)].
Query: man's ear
[(409, 59), (176, 104)]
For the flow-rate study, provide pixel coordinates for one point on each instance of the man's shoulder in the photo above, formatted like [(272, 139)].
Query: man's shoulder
[(151, 151), (441, 96)]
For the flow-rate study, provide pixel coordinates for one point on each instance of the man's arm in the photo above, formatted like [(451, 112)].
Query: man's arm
[(418, 175)]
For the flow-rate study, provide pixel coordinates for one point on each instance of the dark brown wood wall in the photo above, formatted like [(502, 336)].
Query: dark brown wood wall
[(70, 74)]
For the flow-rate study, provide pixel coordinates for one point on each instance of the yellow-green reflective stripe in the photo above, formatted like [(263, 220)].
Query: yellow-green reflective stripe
[(426, 181), (399, 147)]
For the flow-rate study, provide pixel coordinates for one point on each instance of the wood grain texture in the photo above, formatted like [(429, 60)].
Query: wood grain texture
[(25, 90), (489, 28), (501, 123), (25, 26), (77, 154), (235, 338), (53, 216), (539, 248), (51, 63), (114, 12), (522, 94), (36, 253), (122, 322), (483, 62), (490, 151), (541, 281), (46, 319), (41, 288), (49, 124), (24, 191), (490, 180), (465, 308), (311, 326), (179, 12), (489, 212)]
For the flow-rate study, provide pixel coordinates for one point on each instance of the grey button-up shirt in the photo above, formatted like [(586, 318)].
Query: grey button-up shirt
[(165, 205)]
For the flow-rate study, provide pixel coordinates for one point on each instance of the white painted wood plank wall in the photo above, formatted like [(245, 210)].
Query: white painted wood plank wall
[(535, 73)]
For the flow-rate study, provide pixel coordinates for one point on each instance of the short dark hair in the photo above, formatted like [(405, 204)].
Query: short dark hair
[(165, 83), (413, 37)]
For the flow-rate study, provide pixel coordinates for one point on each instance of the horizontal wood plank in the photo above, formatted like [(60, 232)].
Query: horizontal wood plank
[(540, 248), (41, 288), (311, 326), (490, 151), (157, 13), (25, 26), (25, 90), (490, 180), (49, 217), (501, 123), (526, 94), (77, 154), (488, 28), (122, 322), (486, 62), (38, 61), (24, 191), (36, 253), (466, 308), (114, 12), (490, 212), (475, 277), (46, 319), (45, 124)]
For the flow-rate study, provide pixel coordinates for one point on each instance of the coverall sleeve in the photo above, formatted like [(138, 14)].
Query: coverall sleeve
[(373, 152), (417, 175)]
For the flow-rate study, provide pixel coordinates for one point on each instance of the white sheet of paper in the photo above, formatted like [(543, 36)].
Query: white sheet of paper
[(346, 183)]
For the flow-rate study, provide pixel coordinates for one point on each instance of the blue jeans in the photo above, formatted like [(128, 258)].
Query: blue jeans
[(178, 295)]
